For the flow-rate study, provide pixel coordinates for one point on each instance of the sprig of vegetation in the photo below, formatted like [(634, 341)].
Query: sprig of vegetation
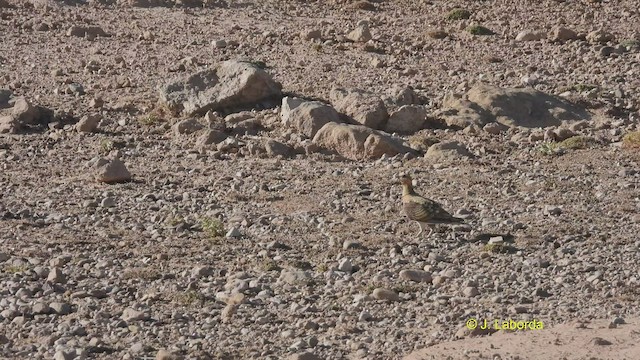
[(480, 30), (459, 14)]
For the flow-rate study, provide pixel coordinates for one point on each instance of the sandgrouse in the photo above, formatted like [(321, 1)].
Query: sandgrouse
[(422, 210)]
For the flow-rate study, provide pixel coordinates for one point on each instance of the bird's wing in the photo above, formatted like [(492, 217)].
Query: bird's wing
[(425, 210)]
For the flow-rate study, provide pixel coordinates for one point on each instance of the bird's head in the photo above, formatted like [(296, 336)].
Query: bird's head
[(405, 179)]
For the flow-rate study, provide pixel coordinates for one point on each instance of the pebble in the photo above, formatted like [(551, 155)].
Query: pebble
[(234, 232), (415, 275), (345, 266), (385, 294)]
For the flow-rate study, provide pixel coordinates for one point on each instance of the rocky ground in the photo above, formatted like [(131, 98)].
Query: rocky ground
[(159, 202)]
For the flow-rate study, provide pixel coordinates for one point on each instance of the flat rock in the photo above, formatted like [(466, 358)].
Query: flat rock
[(362, 106), (407, 119), (307, 117), (528, 35), (230, 85), (358, 142), (525, 107), (385, 294), (416, 275), (447, 150)]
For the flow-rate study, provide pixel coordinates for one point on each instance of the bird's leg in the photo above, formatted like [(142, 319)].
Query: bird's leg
[(421, 229)]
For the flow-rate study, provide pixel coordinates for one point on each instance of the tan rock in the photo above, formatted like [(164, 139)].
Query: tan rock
[(357, 142), (112, 171)]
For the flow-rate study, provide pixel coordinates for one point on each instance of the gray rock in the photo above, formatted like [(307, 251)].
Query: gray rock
[(41, 308), (552, 210), (525, 107), (112, 171), (407, 119), (385, 294), (130, 314), (496, 240), (187, 126), (470, 291), (88, 123), (86, 31), (311, 34), (202, 271), (345, 265), (303, 356), (358, 142), (167, 355), (494, 128), (528, 35), (275, 148), (307, 117), (294, 277), (25, 112), (599, 37), (360, 34), (60, 308), (56, 276), (63, 355), (448, 150), (562, 34), (364, 107), (404, 95), (231, 85), (210, 137), (415, 275), (234, 232)]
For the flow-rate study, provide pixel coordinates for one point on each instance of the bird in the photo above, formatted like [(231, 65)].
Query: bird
[(422, 210)]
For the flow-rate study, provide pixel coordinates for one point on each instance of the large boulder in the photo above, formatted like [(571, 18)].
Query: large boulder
[(357, 142), (364, 107), (18, 114), (447, 150), (514, 107), (232, 85), (407, 120), (307, 117)]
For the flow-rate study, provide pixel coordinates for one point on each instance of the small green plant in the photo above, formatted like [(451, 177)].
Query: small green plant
[(190, 297), (498, 248), (14, 269), (141, 274), (156, 116), (106, 146), (630, 43), (175, 221), (212, 227), (480, 30), (437, 34), (405, 288), (149, 119), (631, 140), (317, 47), (270, 265), (584, 87), (548, 149), (322, 268), (301, 264), (577, 142), (459, 14)]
